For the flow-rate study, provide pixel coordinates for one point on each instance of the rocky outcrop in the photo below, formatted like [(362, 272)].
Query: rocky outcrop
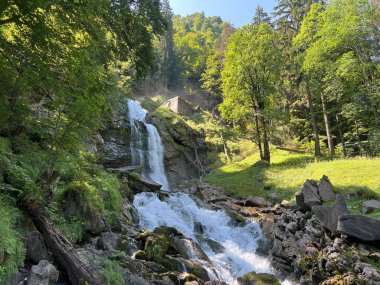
[(140, 184), (43, 274), (36, 249), (360, 227), (329, 215), (370, 206), (210, 193), (314, 193)]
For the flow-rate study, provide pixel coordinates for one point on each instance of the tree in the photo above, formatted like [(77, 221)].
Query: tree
[(252, 67), (261, 16)]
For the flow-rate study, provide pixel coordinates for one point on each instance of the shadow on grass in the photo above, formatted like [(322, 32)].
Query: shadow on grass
[(356, 191), (294, 162)]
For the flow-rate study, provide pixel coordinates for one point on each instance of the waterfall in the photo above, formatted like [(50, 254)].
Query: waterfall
[(237, 244), (146, 145)]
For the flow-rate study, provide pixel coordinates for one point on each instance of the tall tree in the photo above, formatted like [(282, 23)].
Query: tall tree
[(260, 16), (252, 67)]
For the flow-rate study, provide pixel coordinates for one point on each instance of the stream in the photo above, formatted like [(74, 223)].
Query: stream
[(233, 250)]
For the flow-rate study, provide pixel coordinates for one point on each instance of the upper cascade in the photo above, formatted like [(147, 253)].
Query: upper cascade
[(146, 145)]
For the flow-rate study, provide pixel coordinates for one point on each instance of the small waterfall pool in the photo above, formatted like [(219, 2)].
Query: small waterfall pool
[(239, 243)]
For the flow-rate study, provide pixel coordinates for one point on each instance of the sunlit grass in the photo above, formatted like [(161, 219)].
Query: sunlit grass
[(359, 177)]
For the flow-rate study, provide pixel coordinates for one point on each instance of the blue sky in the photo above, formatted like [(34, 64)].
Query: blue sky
[(238, 12)]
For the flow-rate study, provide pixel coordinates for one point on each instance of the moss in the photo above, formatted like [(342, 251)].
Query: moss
[(156, 247), (135, 176), (259, 279), (110, 274)]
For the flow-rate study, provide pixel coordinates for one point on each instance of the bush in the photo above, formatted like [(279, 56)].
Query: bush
[(12, 251), (111, 276)]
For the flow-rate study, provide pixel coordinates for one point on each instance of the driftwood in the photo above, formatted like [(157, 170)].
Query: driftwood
[(78, 272)]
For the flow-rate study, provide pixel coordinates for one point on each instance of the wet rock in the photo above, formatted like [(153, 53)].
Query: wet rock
[(36, 249), (329, 215), (140, 184), (198, 228), (325, 189), (195, 268), (258, 278), (108, 241), (310, 193), (370, 206), (254, 201), (192, 283), (43, 274), (185, 277), (216, 283), (215, 246), (360, 227)]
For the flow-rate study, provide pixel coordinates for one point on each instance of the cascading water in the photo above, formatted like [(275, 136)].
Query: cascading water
[(230, 248), (238, 243), (146, 145)]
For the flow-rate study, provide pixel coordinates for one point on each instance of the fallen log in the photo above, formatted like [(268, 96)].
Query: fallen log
[(78, 272)]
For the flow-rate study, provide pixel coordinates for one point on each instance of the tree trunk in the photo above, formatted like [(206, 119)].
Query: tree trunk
[(317, 149), (341, 136), (258, 133), (327, 125), (266, 156), (358, 135), (79, 273)]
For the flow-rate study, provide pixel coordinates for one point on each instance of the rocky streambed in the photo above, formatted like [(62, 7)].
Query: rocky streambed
[(204, 237)]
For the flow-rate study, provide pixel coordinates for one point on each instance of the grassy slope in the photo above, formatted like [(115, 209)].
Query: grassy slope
[(358, 177)]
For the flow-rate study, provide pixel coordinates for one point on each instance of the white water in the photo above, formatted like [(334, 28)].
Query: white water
[(181, 212), (146, 145)]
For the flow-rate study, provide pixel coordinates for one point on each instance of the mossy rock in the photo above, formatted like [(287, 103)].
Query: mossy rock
[(254, 278), (156, 247), (168, 231)]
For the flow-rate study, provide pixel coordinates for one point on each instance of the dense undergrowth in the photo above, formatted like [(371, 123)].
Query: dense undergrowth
[(81, 192)]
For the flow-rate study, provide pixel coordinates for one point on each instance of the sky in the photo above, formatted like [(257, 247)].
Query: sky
[(237, 12)]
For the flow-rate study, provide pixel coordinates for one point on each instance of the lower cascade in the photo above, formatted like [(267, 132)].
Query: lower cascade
[(146, 145), (231, 248)]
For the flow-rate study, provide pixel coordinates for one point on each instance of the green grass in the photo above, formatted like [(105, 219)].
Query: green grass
[(359, 177)]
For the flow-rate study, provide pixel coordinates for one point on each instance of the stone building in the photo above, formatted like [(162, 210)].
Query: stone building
[(180, 106)]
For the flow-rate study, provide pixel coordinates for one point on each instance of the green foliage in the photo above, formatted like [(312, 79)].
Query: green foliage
[(12, 251), (110, 274)]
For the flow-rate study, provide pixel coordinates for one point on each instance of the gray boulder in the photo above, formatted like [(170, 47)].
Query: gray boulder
[(254, 201), (310, 193), (108, 241), (329, 215), (36, 249), (360, 227), (325, 189), (43, 274), (370, 206), (301, 203)]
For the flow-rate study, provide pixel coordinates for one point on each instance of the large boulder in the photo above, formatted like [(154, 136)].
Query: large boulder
[(370, 206), (210, 192), (108, 241), (43, 274), (360, 227), (140, 184), (36, 249), (325, 189), (310, 193), (259, 202), (258, 278), (329, 215)]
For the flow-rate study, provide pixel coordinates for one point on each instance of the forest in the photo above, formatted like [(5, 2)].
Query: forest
[(297, 88)]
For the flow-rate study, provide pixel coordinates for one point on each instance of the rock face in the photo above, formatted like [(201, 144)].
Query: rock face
[(360, 227), (370, 206), (36, 249), (314, 193), (325, 189), (43, 274), (210, 193), (142, 184), (329, 215), (310, 193)]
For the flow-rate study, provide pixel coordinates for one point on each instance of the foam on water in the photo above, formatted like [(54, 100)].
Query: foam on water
[(182, 212)]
